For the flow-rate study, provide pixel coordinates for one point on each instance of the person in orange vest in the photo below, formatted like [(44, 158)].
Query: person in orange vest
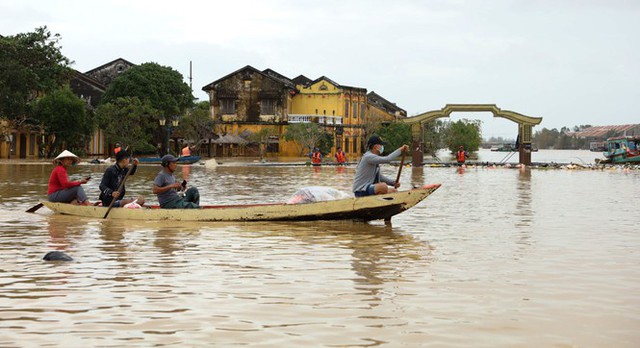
[(341, 157), (186, 151), (461, 155), (117, 149), (316, 157)]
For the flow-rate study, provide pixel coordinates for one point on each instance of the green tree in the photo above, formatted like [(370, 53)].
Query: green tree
[(306, 135), (262, 139), (31, 64), (161, 87), (395, 135), (433, 133), (126, 120), (157, 87), (545, 138), (464, 133), (65, 120), (197, 125)]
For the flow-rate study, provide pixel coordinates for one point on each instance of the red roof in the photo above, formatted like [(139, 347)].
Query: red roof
[(600, 131)]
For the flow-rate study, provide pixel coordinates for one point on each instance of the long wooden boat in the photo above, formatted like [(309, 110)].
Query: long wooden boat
[(363, 208), (181, 160)]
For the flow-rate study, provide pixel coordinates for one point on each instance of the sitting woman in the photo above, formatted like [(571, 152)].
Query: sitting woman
[(60, 188)]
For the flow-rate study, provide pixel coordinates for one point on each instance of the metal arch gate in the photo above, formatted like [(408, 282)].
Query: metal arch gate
[(525, 126)]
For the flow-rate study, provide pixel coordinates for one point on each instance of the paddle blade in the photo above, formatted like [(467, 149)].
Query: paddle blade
[(34, 208)]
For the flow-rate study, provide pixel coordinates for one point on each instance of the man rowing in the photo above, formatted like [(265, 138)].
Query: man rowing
[(368, 180), (113, 177)]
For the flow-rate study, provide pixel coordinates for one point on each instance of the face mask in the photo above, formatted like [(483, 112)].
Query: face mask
[(381, 148)]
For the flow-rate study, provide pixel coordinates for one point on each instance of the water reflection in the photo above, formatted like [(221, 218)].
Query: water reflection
[(380, 254), (417, 176), (489, 241), (523, 211)]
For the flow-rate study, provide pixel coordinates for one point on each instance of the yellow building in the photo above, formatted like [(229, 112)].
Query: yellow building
[(339, 108), (18, 143), (247, 101)]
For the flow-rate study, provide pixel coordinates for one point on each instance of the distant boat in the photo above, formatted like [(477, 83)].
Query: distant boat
[(598, 146), (622, 150), (506, 147), (158, 160)]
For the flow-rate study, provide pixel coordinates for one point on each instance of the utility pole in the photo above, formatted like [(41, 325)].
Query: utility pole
[(190, 76)]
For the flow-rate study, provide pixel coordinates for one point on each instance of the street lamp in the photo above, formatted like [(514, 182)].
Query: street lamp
[(169, 128)]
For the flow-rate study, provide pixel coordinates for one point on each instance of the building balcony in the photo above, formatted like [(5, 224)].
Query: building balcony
[(311, 118)]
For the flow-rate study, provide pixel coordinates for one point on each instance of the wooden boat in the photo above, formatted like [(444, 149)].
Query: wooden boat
[(363, 208), (506, 147), (624, 149), (181, 160)]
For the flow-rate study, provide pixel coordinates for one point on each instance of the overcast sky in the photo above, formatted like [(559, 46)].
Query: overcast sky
[(571, 62)]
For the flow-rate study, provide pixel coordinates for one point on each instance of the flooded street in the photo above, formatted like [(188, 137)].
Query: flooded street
[(495, 257)]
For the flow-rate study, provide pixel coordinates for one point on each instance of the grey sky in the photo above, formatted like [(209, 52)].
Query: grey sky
[(570, 62)]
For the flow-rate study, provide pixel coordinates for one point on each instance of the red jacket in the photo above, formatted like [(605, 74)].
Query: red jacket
[(59, 180), (340, 157)]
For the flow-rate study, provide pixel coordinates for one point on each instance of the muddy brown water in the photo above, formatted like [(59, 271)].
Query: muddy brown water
[(495, 257)]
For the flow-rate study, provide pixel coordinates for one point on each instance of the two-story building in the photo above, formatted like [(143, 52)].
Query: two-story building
[(339, 108), (90, 86), (243, 103), (249, 100)]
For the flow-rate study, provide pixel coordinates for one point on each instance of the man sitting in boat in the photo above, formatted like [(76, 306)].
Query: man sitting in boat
[(368, 180), (60, 188), (166, 188), (112, 178)]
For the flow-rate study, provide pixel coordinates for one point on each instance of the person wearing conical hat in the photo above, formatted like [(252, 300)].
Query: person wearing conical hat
[(60, 188)]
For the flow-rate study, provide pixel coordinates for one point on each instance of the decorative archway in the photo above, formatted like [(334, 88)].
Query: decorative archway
[(525, 126)]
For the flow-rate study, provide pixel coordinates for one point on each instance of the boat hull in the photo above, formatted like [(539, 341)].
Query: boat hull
[(364, 209), (158, 160)]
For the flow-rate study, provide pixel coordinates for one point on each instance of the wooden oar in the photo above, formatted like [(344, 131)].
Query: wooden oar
[(401, 165), (119, 190), (34, 208)]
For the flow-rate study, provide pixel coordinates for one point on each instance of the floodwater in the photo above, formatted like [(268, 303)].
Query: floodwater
[(495, 257), (583, 157)]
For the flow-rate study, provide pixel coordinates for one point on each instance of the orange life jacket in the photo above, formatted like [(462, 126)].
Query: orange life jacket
[(461, 156), (316, 157), (186, 151), (340, 157), (116, 150)]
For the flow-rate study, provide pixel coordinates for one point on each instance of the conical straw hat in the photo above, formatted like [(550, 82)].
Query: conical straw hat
[(65, 154)]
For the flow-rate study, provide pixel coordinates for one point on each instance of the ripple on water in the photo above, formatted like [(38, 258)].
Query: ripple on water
[(494, 257)]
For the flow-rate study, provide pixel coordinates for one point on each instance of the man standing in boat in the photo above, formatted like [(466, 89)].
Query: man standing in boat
[(186, 151), (166, 188), (368, 180), (112, 178)]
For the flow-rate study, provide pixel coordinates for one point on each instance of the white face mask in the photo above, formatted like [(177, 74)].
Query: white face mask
[(381, 149)]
